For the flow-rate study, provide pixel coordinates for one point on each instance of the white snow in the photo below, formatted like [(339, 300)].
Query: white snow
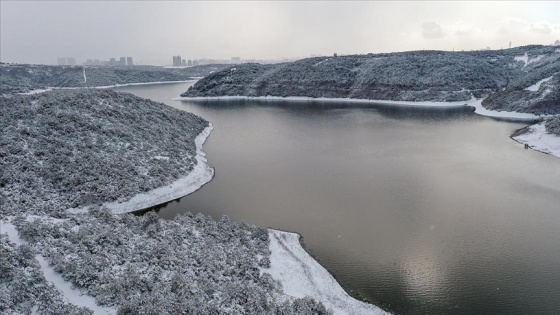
[(479, 109), (142, 83), (320, 62), (524, 58), (13, 234), (85, 79), (37, 91), (71, 294), (301, 276), (535, 87), (200, 175), (539, 139), (473, 102), (536, 59)]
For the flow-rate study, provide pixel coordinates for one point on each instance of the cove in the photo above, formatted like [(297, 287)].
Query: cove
[(419, 211)]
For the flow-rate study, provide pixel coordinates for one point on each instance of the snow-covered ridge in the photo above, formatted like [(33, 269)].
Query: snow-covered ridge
[(539, 139), (198, 177), (301, 276), (498, 76)]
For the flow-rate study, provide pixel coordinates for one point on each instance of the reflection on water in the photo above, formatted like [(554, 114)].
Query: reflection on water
[(421, 211)]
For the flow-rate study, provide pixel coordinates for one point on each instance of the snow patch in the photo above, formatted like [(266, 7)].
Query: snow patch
[(536, 59), (85, 79), (10, 230), (524, 58), (535, 87), (539, 139), (200, 175), (37, 91), (479, 109), (301, 276), (320, 62), (72, 294)]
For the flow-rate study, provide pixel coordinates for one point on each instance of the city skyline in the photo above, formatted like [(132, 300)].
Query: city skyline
[(40, 32)]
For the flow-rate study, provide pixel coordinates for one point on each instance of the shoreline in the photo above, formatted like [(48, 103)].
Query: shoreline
[(538, 139), (549, 146), (202, 173), (473, 102), (301, 275)]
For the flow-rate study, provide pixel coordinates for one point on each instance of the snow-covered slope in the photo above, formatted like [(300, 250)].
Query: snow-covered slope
[(76, 148), (497, 76), (23, 78), (144, 265)]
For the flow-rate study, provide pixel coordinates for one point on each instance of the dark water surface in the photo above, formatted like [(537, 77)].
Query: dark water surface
[(419, 211)]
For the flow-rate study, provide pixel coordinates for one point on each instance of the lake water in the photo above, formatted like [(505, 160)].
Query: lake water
[(420, 211)]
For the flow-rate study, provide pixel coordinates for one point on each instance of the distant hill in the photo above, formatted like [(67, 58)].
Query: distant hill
[(505, 77), (20, 78)]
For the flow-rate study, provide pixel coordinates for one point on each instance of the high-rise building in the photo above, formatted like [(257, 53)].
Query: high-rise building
[(176, 61), (189, 63), (183, 63), (129, 61), (122, 61), (61, 61), (112, 62), (70, 61)]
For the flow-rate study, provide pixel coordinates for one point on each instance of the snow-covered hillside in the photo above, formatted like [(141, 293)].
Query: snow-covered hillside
[(76, 148), (21, 78), (93, 149), (500, 76)]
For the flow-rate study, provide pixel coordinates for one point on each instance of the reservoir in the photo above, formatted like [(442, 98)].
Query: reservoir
[(418, 211)]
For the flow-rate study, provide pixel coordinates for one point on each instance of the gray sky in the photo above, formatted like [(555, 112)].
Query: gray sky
[(153, 31)]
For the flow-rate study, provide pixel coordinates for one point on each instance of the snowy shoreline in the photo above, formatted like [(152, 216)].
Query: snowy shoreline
[(539, 139), (549, 144), (473, 102), (202, 173), (104, 86), (301, 275)]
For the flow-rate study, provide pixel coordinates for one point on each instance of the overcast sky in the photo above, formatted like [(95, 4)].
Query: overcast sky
[(152, 32)]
